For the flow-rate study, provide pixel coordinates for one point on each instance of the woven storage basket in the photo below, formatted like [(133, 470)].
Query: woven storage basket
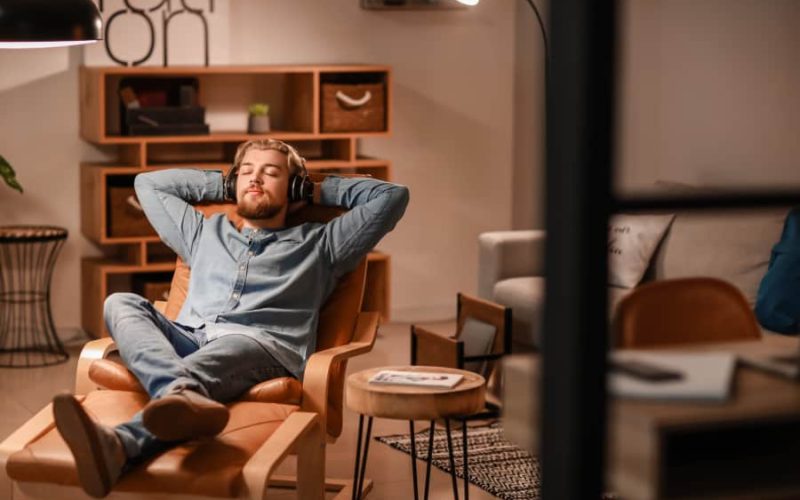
[(353, 107), (124, 218)]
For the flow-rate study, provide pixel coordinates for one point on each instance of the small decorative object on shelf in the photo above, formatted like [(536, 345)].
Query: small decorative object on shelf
[(27, 333), (258, 118)]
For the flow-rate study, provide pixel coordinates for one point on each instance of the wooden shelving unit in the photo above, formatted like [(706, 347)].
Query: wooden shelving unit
[(294, 95)]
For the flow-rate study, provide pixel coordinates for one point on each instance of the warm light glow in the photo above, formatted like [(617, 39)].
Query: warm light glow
[(469, 2), (42, 45)]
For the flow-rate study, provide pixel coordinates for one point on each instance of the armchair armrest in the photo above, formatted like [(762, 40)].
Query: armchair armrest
[(508, 254), (300, 433), (93, 350), (429, 348), (318, 367)]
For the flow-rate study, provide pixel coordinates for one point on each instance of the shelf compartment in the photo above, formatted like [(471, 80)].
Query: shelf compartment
[(368, 116), (226, 97), (100, 278)]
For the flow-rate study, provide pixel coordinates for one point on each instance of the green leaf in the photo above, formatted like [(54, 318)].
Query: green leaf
[(9, 175)]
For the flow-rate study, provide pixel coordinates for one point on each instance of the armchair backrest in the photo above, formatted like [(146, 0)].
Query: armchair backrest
[(499, 317), (338, 316)]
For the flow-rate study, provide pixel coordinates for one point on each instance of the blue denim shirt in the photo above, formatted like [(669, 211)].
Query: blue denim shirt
[(267, 284)]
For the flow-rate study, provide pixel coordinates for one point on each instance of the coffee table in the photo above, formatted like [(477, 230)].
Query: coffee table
[(404, 402)]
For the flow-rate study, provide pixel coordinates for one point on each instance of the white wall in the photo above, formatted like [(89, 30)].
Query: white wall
[(711, 93), (528, 178), (451, 145)]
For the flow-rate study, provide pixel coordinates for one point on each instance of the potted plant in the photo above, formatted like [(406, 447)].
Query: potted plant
[(258, 118), (8, 175)]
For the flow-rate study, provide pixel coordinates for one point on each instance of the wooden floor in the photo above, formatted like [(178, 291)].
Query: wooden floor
[(24, 391)]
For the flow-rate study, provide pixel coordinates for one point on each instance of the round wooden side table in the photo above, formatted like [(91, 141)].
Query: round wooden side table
[(27, 259), (407, 402)]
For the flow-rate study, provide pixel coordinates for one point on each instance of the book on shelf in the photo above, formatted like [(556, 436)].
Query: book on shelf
[(424, 379)]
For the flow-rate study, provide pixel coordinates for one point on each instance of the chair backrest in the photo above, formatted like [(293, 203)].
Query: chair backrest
[(493, 314), (338, 316), (683, 311)]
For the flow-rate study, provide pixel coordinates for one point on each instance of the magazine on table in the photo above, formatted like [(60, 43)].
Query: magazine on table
[(426, 379)]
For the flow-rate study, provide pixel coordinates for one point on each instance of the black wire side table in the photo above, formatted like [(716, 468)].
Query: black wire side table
[(27, 259)]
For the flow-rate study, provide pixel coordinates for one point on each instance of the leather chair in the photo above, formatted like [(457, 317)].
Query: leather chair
[(682, 311), (272, 420), (433, 349)]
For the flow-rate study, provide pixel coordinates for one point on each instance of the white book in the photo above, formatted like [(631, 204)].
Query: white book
[(425, 379), (706, 376)]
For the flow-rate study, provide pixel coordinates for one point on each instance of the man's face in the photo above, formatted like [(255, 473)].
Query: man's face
[(263, 184)]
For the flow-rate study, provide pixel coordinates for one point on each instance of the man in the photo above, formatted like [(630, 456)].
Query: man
[(252, 309)]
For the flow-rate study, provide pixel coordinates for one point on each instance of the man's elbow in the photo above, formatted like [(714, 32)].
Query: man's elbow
[(400, 198), (142, 183)]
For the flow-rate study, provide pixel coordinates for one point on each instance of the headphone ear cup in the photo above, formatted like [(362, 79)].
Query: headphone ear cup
[(299, 189), (229, 186)]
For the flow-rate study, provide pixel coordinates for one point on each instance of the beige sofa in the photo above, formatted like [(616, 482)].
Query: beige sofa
[(731, 245)]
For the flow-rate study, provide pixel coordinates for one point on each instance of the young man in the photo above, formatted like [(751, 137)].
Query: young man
[(253, 305)]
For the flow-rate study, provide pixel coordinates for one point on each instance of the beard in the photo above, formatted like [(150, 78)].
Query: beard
[(257, 209)]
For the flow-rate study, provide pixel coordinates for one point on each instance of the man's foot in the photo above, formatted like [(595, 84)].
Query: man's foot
[(98, 451), (183, 415)]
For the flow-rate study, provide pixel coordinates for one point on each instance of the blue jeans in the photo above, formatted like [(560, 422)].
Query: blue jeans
[(166, 356)]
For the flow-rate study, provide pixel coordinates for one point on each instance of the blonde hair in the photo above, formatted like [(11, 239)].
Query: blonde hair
[(296, 163)]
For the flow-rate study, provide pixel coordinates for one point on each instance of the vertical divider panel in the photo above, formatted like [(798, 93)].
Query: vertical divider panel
[(316, 108)]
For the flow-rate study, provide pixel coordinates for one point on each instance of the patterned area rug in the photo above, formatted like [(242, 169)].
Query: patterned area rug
[(495, 465)]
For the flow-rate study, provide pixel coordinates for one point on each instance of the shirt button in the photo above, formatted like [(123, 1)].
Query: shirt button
[(235, 295), (250, 253), (241, 268)]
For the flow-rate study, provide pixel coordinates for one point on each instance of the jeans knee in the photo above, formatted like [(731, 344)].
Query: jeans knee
[(121, 304)]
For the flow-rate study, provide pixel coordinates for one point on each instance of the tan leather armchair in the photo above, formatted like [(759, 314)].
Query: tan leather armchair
[(273, 420)]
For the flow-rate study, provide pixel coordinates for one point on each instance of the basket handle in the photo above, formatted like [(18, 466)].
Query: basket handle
[(132, 201), (347, 101)]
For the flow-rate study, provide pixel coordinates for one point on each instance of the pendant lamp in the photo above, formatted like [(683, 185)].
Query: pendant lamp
[(26, 24)]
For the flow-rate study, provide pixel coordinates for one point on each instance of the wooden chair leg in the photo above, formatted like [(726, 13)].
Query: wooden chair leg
[(311, 465)]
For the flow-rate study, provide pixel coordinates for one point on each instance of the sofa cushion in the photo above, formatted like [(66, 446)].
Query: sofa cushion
[(733, 246), (208, 467), (525, 297), (632, 240)]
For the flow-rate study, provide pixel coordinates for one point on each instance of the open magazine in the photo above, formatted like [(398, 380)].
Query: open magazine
[(426, 379)]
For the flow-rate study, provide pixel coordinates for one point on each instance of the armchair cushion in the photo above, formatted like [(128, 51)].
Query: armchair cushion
[(210, 467), (525, 297), (111, 374)]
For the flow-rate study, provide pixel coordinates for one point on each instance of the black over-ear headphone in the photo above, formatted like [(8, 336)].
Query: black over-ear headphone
[(300, 186)]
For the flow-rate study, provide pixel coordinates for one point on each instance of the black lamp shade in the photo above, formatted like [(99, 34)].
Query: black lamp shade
[(48, 23)]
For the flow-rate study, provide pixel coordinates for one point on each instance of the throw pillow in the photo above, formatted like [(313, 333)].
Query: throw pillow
[(632, 240), (478, 338)]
